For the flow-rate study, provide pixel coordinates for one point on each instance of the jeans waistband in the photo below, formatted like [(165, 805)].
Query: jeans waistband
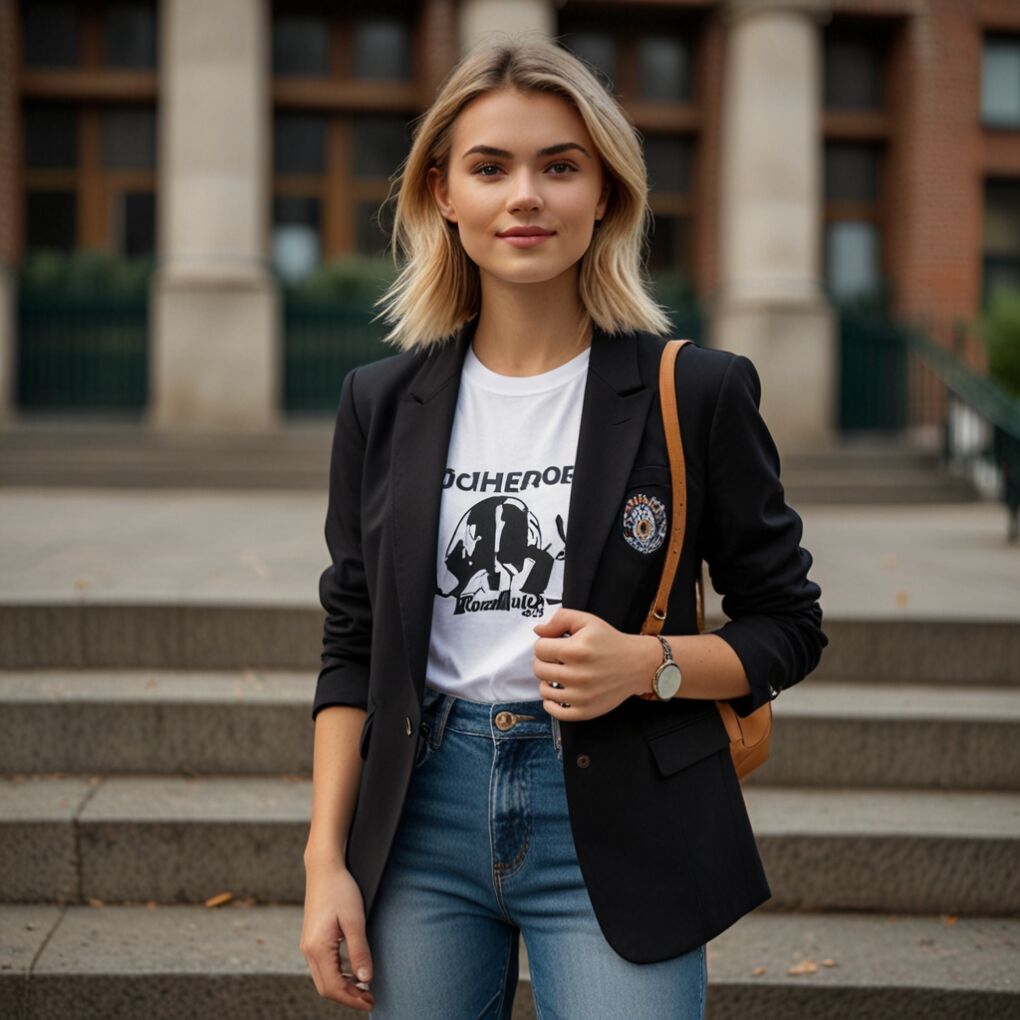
[(500, 720)]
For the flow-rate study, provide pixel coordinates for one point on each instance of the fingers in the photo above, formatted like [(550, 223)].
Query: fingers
[(548, 648), (333, 975), (355, 954), (324, 966), (550, 672)]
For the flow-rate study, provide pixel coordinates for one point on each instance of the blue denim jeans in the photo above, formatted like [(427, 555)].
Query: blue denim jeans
[(484, 854)]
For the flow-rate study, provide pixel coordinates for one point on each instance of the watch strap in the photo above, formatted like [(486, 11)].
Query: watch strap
[(667, 652)]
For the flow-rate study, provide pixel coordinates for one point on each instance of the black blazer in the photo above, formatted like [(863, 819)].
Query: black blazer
[(661, 831)]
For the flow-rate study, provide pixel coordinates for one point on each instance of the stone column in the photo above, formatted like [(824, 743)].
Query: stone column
[(770, 304), (9, 166), (215, 337), (488, 21)]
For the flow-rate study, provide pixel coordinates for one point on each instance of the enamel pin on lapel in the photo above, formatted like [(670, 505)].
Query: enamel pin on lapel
[(644, 522)]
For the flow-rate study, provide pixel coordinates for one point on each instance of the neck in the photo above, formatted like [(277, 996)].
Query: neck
[(529, 329)]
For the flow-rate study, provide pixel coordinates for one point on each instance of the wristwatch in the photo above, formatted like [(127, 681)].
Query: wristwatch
[(666, 681)]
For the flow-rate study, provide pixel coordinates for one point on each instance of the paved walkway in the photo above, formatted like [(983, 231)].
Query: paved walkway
[(103, 545)]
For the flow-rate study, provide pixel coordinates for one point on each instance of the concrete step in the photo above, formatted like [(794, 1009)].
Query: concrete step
[(197, 633), (894, 735), (957, 651), (156, 721), (76, 451), (251, 467), (876, 488), (867, 472), (176, 840), (294, 456), (882, 967), (258, 723), (279, 473), (238, 961), (914, 851), (83, 432), (852, 452)]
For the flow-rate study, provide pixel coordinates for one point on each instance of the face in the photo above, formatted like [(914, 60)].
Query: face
[(500, 177)]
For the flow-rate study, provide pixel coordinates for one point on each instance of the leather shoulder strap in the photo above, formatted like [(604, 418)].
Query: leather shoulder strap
[(678, 472)]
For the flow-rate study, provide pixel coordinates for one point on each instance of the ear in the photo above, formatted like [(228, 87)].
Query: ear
[(440, 192)]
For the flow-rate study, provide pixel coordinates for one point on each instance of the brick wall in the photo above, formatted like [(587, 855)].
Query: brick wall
[(939, 153)]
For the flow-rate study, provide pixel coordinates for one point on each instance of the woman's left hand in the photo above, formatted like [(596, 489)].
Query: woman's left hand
[(597, 665)]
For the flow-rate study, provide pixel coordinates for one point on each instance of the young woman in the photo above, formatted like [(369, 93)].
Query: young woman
[(497, 752)]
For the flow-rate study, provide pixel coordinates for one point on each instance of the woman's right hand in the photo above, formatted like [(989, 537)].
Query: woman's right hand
[(335, 910)]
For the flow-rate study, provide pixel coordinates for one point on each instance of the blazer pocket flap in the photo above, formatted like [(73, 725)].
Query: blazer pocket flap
[(366, 730), (684, 745)]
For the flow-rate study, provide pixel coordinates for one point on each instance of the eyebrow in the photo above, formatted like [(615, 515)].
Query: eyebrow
[(549, 150)]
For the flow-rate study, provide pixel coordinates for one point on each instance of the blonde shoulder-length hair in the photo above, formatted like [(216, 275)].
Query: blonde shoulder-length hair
[(437, 289)]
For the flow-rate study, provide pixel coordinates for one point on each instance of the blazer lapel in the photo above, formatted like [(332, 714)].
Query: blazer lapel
[(613, 415), (421, 440)]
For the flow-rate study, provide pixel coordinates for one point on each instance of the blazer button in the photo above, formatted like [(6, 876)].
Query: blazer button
[(407, 725), (583, 761)]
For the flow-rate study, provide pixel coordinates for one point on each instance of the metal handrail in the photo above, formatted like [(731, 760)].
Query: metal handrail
[(982, 426)]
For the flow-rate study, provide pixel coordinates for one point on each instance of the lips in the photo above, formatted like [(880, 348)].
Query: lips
[(525, 232)]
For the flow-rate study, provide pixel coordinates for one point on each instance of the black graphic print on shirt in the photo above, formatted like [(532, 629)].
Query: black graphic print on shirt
[(499, 558)]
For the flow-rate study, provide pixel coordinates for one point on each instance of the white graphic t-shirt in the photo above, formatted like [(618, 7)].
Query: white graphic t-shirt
[(503, 527)]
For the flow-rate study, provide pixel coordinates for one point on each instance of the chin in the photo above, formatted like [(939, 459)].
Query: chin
[(535, 275)]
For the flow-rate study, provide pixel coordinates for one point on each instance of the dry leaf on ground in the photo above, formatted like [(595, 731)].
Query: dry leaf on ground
[(804, 967)]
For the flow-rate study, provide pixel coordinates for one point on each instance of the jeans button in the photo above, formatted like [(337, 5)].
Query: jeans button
[(583, 761)]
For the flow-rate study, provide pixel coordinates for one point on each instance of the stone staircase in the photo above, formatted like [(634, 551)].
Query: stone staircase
[(154, 757), (854, 471), (295, 456)]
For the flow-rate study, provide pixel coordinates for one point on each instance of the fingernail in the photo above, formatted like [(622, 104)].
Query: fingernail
[(363, 974)]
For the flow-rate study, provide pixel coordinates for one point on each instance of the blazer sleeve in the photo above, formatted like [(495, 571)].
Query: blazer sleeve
[(343, 592), (753, 549)]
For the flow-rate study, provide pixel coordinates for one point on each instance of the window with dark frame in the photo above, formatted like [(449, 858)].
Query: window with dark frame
[(50, 33), (1000, 236), (854, 57), (649, 67), (89, 163), (852, 237), (853, 71), (333, 162)]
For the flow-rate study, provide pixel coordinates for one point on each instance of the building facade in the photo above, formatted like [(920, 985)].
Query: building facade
[(800, 152)]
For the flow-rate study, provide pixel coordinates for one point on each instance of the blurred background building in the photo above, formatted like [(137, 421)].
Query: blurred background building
[(192, 217)]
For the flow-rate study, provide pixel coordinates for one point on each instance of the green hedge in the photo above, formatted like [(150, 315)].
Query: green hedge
[(85, 272), (1000, 328)]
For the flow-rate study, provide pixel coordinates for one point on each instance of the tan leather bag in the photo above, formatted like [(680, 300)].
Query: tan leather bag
[(750, 735)]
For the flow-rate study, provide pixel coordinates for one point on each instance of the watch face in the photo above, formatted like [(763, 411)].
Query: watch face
[(667, 682)]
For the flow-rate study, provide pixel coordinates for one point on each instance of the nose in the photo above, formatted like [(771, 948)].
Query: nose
[(525, 195)]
